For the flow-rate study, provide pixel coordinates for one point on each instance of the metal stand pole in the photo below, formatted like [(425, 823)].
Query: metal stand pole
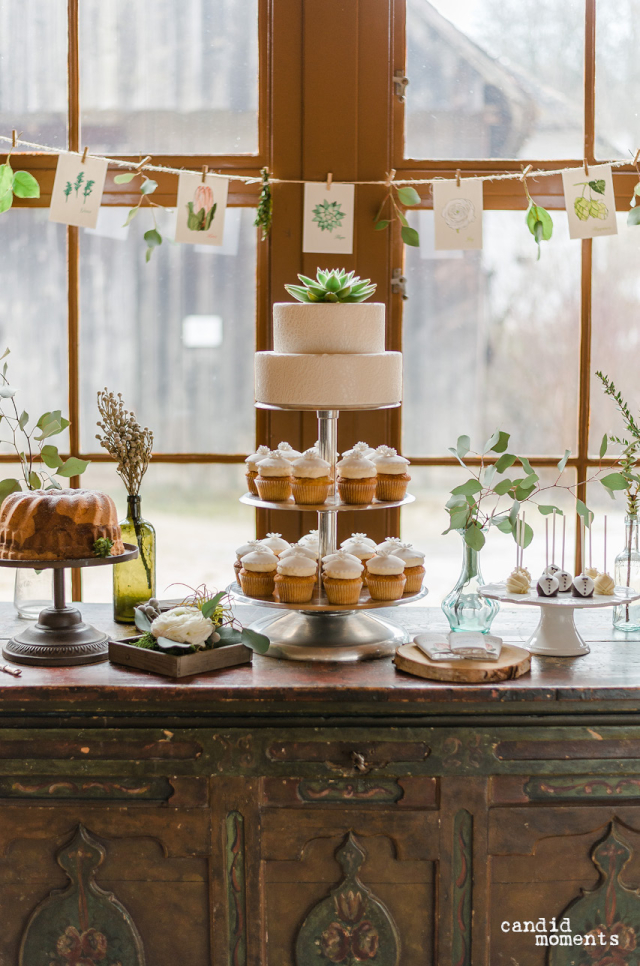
[(328, 438), (59, 602)]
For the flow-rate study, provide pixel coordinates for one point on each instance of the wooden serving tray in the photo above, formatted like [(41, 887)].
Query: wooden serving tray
[(512, 663), (172, 666)]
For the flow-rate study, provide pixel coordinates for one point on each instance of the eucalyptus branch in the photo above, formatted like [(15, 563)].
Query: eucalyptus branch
[(626, 477)]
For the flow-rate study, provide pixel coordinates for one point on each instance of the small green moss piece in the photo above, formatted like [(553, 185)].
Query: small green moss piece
[(147, 641), (102, 547)]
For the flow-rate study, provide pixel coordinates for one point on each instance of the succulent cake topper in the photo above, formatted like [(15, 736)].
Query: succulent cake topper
[(332, 286)]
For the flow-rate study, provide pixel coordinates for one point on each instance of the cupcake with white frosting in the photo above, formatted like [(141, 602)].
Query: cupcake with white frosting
[(311, 481), (275, 542), (247, 547), (361, 547), (251, 463), (385, 576), (362, 538), (389, 543), (413, 566), (295, 579), (287, 450), (342, 577), (274, 478), (300, 548), (258, 572), (356, 479), (392, 478), (360, 449), (311, 539)]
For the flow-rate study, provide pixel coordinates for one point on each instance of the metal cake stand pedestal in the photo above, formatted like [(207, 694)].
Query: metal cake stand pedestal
[(556, 634), (60, 637), (318, 630)]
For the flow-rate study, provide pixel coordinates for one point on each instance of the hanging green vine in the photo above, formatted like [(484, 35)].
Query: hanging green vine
[(265, 206)]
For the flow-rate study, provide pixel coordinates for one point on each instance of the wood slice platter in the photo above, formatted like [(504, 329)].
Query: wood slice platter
[(512, 663)]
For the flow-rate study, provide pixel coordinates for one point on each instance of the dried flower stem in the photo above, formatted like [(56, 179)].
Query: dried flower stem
[(124, 439)]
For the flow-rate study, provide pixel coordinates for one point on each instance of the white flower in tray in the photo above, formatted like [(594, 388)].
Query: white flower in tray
[(184, 625)]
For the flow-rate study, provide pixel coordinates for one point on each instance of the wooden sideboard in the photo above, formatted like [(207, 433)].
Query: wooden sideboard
[(289, 814)]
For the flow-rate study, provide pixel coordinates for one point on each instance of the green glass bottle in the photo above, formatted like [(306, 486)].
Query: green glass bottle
[(134, 581)]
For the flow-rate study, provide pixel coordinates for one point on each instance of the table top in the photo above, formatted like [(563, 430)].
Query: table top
[(605, 681)]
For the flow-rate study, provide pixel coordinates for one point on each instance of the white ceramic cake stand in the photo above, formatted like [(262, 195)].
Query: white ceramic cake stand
[(556, 634), (319, 631)]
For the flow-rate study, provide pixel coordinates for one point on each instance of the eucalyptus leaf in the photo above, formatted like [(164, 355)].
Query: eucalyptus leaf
[(603, 445), (523, 492), (450, 449), (24, 419), (125, 178), (545, 509), (455, 501), (491, 442), (209, 607), (34, 480), (410, 236), (6, 178), (402, 219), (513, 512), (51, 457), (467, 488), (229, 635), (488, 474), (474, 537), (381, 225), (563, 461), (526, 465), (257, 642), (72, 467), (525, 538), (458, 519), (153, 237), (6, 200), (502, 487), (633, 217), (409, 196), (132, 214), (583, 510), (503, 442), (463, 445), (165, 644), (51, 429), (614, 481), (504, 526), (148, 186), (141, 620), (505, 461), (8, 486), (25, 185)]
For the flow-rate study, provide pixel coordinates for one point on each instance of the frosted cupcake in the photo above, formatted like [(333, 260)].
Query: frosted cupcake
[(310, 540), (360, 546), (360, 449), (257, 573), (299, 548), (286, 450), (246, 548), (342, 578), (413, 566), (362, 538), (392, 479), (274, 477), (385, 576), (389, 543), (311, 482), (251, 463), (275, 542), (295, 579), (356, 479)]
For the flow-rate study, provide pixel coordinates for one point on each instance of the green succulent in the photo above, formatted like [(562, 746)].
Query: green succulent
[(102, 547), (332, 286)]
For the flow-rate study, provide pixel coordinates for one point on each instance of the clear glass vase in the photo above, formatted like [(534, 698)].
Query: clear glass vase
[(32, 592), (626, 617), (464, 607), (134, 581)]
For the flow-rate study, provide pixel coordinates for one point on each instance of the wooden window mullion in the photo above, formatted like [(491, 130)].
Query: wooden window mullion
[(73, 254)]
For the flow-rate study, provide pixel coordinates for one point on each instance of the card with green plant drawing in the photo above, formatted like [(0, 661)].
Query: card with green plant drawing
[(77, 190), (328, 218), (201, 207), (590, 202)]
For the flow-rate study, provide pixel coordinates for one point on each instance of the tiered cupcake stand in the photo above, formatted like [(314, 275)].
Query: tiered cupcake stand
[(318, 630)]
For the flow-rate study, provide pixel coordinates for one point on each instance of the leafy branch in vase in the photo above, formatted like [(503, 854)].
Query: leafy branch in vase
[(626, 476)]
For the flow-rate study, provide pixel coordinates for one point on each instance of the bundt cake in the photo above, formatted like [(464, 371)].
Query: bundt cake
[(57, 524)]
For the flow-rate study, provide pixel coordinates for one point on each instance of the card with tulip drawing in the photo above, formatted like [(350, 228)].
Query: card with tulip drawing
[(328, 218), (590, 202), (457, 214), (77, 190), (201, 207)]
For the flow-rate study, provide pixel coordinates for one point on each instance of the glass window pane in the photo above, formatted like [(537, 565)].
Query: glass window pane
[(175, 336), (424, 521), (494, 78), (198, 519), (33, 322), (480, 329), (33, 70), (617, 73), (616, 329), (169, 76)]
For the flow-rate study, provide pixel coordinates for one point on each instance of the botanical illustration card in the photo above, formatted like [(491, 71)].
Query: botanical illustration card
[(201, 208), (328, 218), (457, 214), (590, 202), (77, 190)]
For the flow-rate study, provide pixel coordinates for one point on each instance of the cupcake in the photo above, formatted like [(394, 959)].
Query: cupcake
[(295, 579), (385, 576), (389, 543), (251, 463), (299, 548), (286, 450), (310, 540), (274, 478), (311, 482), (275, 542), (360, 449), (342, 578), (356, 479), (241, 551), (360, 546), (257, 572), (413, 566), (393, 479), (362, 538)]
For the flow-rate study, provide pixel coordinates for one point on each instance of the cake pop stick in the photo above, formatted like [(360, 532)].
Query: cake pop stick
[(546, 539), (590, 541), (564, 532), (605, 545), (553, 539), (523, 537)]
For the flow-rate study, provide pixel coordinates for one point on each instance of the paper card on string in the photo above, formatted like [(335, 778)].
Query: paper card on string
[(77, 190), (457, 213), (590, 202), (201, 208), (328, 218)]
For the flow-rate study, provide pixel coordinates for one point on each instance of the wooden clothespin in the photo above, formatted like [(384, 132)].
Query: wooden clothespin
[(458, 178), (390, 176), (14, 138), (205, 168), (525, 171), (84, 155), (144, 161), (329, 180), (635, 160), (586, 168)]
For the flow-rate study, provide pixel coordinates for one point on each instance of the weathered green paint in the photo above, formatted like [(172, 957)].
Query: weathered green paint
[(105, 789), (351, 925), (582, 786), (611, 910), (236, 890), (82, 923), (462, 888), (346, 790)]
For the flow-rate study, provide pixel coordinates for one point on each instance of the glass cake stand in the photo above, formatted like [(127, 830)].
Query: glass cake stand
[(60, 637), (318, 630)]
